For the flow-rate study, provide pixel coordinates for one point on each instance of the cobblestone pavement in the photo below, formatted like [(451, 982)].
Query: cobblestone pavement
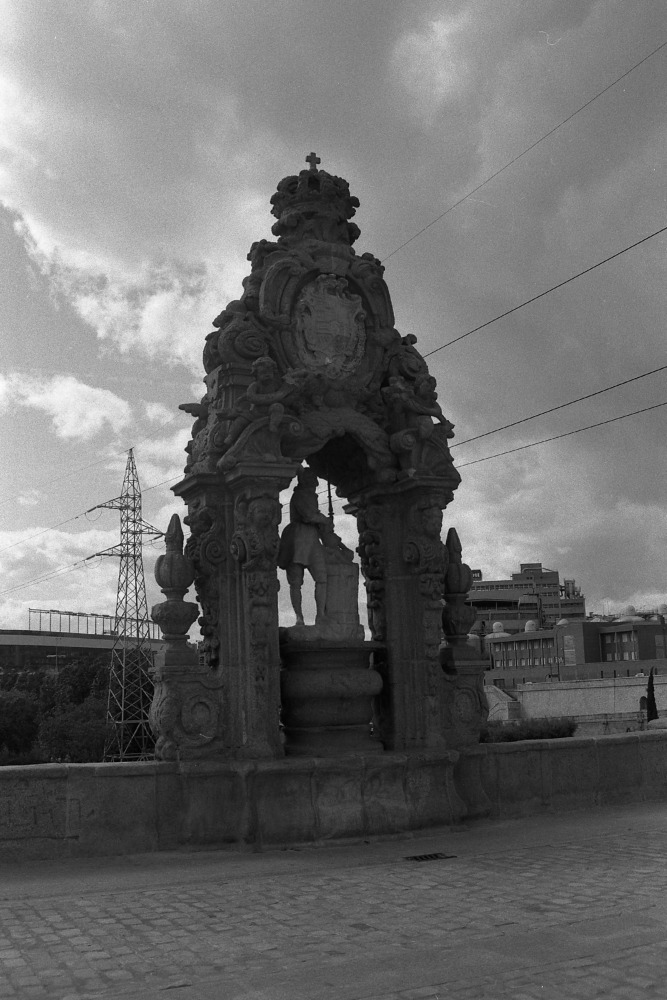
[(557, 908)]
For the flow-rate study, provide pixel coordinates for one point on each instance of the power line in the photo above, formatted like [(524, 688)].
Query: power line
[(555, 437), (76, 517), (48, 576), (541, 295), (44, 530), (57, 479), (163, 483), (561, 406), (523, 152), (91, 465)]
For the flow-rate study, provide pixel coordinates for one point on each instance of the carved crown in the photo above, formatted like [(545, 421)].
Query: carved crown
[(318, 199)]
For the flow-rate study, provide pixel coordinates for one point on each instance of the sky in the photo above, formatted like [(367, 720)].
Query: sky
[(140, 143)]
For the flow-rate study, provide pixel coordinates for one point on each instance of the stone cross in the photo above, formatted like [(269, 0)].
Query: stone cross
[(313, 160)]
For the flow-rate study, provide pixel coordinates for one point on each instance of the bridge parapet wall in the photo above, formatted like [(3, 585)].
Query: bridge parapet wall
[(68, 810)]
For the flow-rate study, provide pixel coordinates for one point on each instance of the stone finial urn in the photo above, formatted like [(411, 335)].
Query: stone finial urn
[(185, 712), (457, 616), (174, 573), (461, 662)]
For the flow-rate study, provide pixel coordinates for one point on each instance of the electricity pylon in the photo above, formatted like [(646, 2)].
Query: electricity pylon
[(130, 686)]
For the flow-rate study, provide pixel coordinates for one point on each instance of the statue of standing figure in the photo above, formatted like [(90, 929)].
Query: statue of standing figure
[(301, 545), (309, 542)]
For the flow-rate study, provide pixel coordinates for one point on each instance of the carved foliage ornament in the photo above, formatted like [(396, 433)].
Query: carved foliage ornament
[(207, 550), (185, 713), (254, 545), (373, 556)]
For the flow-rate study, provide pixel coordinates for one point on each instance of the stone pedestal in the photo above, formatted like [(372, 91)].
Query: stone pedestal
[(327, 693), (185, 712), (342, 606)]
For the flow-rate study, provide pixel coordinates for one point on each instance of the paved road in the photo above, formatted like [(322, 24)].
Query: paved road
[(556, 908)]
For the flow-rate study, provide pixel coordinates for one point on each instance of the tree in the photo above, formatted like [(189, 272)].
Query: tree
[(18, 721), (651, 707), (75, 683), (75, 733)]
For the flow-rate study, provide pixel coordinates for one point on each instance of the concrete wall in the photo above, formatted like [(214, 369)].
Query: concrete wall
[(525, 778), (574, 699), (61, 810)]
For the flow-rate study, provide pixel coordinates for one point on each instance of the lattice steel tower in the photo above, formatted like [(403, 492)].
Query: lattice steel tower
[(130, 684)]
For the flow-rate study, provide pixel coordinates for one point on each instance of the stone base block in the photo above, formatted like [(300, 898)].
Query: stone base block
[(327, 690)]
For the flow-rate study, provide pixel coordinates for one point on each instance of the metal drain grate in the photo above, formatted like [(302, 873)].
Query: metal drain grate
[(428, 857)]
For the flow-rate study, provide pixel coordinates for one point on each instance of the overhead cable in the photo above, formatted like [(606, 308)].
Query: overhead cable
[(91, 465), (47, 576), (523, 152), (556, 437), (541, 295), (77, 516), (561, 406), (44, 530)]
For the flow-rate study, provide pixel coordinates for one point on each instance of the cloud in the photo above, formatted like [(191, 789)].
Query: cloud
[(78, 411), (115, 155), (157, 413), (430, 65), (89, 586), (29, 498)]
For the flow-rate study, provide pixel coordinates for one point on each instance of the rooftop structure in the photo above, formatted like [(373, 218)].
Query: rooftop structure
[(534, 593)]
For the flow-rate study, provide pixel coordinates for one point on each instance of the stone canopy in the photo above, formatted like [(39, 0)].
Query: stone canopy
[(308, 363), (307, 366)]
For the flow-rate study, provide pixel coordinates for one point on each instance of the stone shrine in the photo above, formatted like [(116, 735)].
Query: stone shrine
[(307, 377)]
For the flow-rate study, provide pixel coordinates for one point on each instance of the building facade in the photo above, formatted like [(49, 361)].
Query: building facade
[(535, 593), (577, 650)]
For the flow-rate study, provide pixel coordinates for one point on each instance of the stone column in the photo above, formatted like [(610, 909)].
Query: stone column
[(403, 561), (234, 518)]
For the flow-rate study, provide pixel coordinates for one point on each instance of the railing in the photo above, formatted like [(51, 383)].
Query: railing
[(83, 623)]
